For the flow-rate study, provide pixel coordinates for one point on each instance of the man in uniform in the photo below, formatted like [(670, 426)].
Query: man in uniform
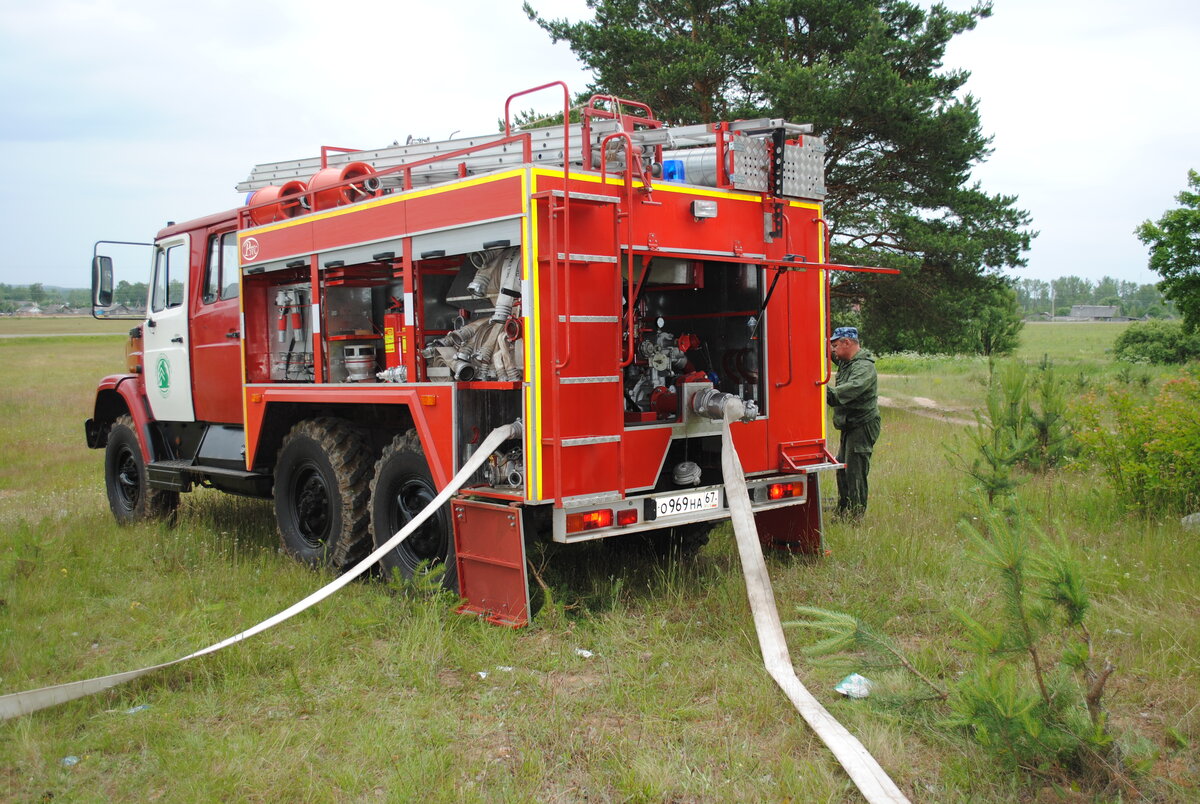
[(856, 413)]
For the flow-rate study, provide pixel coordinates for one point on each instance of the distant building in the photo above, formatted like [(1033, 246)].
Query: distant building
[(1096, 312), (29, 309)]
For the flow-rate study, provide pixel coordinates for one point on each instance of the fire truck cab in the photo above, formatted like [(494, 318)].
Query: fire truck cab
[(343, 342)]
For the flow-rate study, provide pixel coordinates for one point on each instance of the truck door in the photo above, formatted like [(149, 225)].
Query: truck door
[(165, 335), (215, 339)]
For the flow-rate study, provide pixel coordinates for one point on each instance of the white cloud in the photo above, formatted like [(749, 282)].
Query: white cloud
[(121, 114), (1094, 116)]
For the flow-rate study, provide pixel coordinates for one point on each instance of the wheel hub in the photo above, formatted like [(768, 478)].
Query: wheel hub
[(428, 542), (312, 506), (127, 479)]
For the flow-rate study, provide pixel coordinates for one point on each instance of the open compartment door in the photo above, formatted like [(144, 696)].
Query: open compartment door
[(490, 547)]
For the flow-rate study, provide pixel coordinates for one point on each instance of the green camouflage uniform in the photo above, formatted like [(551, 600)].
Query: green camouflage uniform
[(854, 399)]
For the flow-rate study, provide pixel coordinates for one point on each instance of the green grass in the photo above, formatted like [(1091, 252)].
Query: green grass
[(1081, 353), (66, 325), (377, 694), (1089, 343)]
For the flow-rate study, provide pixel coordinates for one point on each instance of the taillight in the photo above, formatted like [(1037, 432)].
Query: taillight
[(629, 516), (782, 491), (591, 520)]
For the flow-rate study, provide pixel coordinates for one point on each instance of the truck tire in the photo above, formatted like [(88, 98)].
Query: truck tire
[(129, 496), (321, 494), (401, 488)]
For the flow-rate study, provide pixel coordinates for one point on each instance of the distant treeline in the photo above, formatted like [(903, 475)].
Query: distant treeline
[(13, 297), (1134, 300), (1033, 295)]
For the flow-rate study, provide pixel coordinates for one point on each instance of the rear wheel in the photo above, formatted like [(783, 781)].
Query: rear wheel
[(129, 496), (401, 488), (321, 483)]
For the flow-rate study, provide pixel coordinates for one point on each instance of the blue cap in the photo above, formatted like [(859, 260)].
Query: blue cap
[(844, 332)]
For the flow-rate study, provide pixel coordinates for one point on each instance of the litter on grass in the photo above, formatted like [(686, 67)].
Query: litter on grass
[(854, 686)]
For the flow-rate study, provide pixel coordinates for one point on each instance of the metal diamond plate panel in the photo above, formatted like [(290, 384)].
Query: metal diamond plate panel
[(804, 169), (751, 164)]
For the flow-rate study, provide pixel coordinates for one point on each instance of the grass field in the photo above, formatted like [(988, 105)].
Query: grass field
[(65, 325), (382, 693)]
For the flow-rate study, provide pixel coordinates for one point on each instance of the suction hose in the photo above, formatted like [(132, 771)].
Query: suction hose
[(872, 781), (21, 703)]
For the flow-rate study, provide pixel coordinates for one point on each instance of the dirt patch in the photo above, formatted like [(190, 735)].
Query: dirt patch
[(571, 683), (929, 408)]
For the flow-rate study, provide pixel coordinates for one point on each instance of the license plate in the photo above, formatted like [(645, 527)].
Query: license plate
[(687, 503)]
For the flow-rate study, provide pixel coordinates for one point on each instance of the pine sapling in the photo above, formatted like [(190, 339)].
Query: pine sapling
[(1001, 440), (846, 633), (1048, 421), (1022, 687)]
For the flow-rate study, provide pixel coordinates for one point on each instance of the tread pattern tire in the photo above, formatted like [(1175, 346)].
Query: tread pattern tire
[(401, 486), (129, 496), (321, 488)]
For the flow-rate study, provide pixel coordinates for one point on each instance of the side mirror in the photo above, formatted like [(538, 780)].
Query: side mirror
[(102, 281), (119, 256)]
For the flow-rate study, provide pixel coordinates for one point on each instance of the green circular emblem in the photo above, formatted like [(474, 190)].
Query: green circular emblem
[(164, 376)]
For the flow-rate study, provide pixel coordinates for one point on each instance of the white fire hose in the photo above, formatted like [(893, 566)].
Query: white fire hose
[(20, 703), (872, 781), (864, 771)]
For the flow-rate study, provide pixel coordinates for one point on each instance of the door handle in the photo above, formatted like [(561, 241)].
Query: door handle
[(177, 339), (233, 333)]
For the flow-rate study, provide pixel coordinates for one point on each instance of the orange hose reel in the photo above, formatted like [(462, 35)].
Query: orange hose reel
[(325, 190), (289, 200)]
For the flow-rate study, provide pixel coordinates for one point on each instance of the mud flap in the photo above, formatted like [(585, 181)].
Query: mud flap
[(490, 549), (795, 529)]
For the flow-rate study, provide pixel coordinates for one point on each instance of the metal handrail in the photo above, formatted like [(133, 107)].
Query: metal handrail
[(325, 149), (556, 418)]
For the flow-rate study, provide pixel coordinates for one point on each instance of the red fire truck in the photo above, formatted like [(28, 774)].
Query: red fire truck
[(343, 341)]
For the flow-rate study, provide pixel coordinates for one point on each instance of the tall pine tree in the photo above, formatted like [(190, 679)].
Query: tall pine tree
[(902, 135)]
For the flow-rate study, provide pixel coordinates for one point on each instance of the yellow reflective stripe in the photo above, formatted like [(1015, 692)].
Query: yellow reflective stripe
[(395, 198)]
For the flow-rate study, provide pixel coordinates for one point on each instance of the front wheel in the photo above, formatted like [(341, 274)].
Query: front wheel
[(401, 489), (321, 494), (129, 495)]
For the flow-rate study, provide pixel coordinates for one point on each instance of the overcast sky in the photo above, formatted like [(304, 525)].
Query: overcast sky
[(118, 115)]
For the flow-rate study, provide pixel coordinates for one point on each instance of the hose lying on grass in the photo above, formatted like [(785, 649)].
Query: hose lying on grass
[(21, 703), (872, 781)]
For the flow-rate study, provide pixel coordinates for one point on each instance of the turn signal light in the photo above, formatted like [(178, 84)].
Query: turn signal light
[(592, 520), (781, 491)]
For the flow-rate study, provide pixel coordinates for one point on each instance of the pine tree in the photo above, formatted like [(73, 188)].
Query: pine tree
[(901, 133)]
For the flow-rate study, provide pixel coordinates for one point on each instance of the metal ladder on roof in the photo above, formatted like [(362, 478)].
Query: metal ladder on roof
[(736, 155)]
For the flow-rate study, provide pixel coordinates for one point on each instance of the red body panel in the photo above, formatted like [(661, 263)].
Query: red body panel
[(662, 224), (490, 549), (432, 408), (391, 217), (132, 391)]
